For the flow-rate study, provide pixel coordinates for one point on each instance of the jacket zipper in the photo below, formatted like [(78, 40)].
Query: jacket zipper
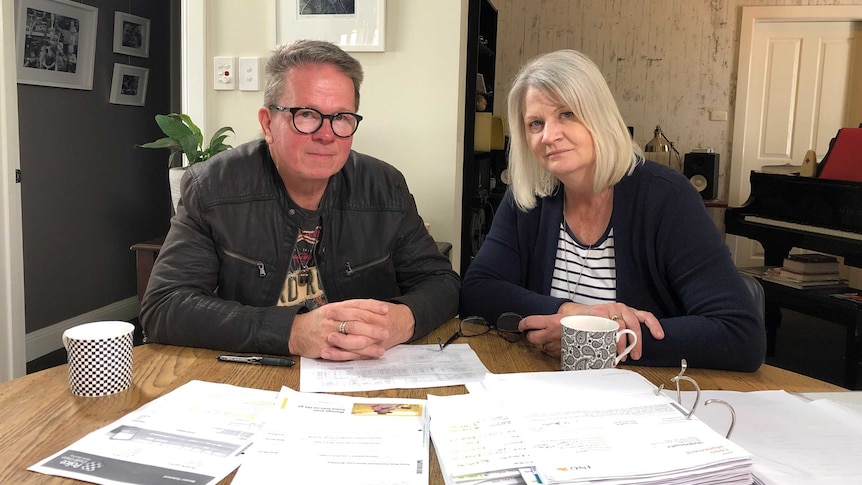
[(349, 270), (259, 264)]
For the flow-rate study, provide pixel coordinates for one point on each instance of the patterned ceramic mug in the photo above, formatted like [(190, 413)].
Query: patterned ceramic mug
[(591, 343), (100, 357)]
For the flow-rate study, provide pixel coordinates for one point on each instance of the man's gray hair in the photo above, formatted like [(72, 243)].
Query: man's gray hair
[(307, 52)]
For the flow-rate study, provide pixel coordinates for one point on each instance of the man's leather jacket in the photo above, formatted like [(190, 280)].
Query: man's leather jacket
[(222, 267)]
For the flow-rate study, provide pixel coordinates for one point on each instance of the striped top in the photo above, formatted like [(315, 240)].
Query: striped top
[(585, 274)]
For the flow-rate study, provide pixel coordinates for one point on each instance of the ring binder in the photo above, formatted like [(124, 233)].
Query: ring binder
[(732, 414), (682, 377)]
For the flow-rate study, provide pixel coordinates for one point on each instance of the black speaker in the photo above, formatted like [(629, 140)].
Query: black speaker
[(702, 170)]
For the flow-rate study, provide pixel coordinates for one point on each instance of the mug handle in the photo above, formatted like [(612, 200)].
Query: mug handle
[(628, 349)]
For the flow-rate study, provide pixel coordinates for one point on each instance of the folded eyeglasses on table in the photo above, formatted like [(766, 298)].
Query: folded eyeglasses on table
[(506, 327)]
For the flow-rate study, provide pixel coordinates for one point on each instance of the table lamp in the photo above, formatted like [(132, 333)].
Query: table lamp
[(659, 150)]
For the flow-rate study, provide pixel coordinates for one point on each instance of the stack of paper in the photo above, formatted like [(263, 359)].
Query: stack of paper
[(596, 427), (321, 438)]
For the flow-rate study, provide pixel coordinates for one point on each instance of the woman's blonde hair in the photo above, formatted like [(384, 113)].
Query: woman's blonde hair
[(574, 81)]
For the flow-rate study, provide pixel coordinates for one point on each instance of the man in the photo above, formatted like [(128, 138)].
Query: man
[(295, 243)]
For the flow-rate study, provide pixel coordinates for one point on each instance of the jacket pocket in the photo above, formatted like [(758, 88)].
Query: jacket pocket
[(261, 267), (350, 270), (370, 279)]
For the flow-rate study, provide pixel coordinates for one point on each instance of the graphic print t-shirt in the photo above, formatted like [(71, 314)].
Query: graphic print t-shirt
[(302, 287)]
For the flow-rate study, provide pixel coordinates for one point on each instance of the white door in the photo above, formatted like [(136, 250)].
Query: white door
[(796, 96)]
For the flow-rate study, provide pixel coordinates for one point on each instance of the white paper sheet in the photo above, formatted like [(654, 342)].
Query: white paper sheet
[(792, 441), (401, 367), (193, 435), (326, 439)]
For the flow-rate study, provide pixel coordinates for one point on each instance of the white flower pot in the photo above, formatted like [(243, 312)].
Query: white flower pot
[(175, 175)]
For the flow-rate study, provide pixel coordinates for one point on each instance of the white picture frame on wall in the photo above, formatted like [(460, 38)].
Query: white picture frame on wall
[(353, 25), (129, 85), (131, 35), (56, 43)]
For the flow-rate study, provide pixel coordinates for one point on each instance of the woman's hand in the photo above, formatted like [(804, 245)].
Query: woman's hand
[(545, 332)]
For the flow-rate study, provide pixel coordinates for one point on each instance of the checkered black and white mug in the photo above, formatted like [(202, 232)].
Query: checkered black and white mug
[(100, 357)]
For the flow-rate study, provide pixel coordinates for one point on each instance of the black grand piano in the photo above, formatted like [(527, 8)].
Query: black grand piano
[(789, 211), (814, 213)]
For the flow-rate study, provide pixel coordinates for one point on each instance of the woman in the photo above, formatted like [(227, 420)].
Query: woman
[(589, 227)]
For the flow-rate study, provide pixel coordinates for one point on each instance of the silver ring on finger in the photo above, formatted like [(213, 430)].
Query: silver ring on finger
[(615, 317), (342, 328)]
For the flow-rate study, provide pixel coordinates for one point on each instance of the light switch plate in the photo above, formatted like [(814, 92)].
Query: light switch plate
[(249, 74), (717, 115), (224, 75)]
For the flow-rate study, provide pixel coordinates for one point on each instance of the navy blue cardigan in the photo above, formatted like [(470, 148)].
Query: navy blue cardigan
[(671, 260)]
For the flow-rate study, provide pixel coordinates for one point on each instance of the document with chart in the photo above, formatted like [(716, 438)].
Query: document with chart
[(401, 367)]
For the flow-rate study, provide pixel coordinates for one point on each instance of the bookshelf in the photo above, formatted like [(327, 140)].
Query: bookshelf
[(481, 169)]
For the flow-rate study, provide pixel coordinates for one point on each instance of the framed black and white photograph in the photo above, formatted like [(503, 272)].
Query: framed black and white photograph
[(129, 85), (55, 43), (131, 35), (354, 25)]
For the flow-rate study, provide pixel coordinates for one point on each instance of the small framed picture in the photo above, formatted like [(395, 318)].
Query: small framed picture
[(129, 85), (131, 35)]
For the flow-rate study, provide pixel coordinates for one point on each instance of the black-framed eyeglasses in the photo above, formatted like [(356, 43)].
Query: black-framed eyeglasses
[(506, 327), (309, 120)]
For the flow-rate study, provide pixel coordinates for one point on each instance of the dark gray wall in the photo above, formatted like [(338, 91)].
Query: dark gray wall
[(87, 193)]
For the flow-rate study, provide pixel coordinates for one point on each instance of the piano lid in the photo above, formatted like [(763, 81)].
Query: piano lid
[(835, 204)]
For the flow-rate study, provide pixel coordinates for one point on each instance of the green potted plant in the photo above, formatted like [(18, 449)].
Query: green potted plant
[(183, 137)]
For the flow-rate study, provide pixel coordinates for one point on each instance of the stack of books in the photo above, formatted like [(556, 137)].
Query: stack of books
[(807, 271)]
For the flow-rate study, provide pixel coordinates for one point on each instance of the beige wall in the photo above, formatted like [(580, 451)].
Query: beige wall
[(411, 99), (668, 62)]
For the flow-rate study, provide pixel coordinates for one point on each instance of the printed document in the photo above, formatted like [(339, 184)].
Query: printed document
[(401, 367), (193, 435), (328, 439), (605, 427)]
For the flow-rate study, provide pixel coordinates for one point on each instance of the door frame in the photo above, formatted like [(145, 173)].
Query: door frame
[(750, 17), (13, 359), (193, 65)]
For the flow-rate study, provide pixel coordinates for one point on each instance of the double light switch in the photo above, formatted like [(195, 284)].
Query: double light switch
[(227, 74)]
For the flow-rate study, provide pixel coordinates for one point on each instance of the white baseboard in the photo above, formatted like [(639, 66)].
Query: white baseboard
[(48, 339)]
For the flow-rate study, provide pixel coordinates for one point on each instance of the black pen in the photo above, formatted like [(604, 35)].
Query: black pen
[(258, 360)]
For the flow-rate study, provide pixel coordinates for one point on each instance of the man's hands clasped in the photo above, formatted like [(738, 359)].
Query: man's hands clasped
[(351, 330)]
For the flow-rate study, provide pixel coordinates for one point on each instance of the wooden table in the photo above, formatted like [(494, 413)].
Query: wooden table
[(39, 416)]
